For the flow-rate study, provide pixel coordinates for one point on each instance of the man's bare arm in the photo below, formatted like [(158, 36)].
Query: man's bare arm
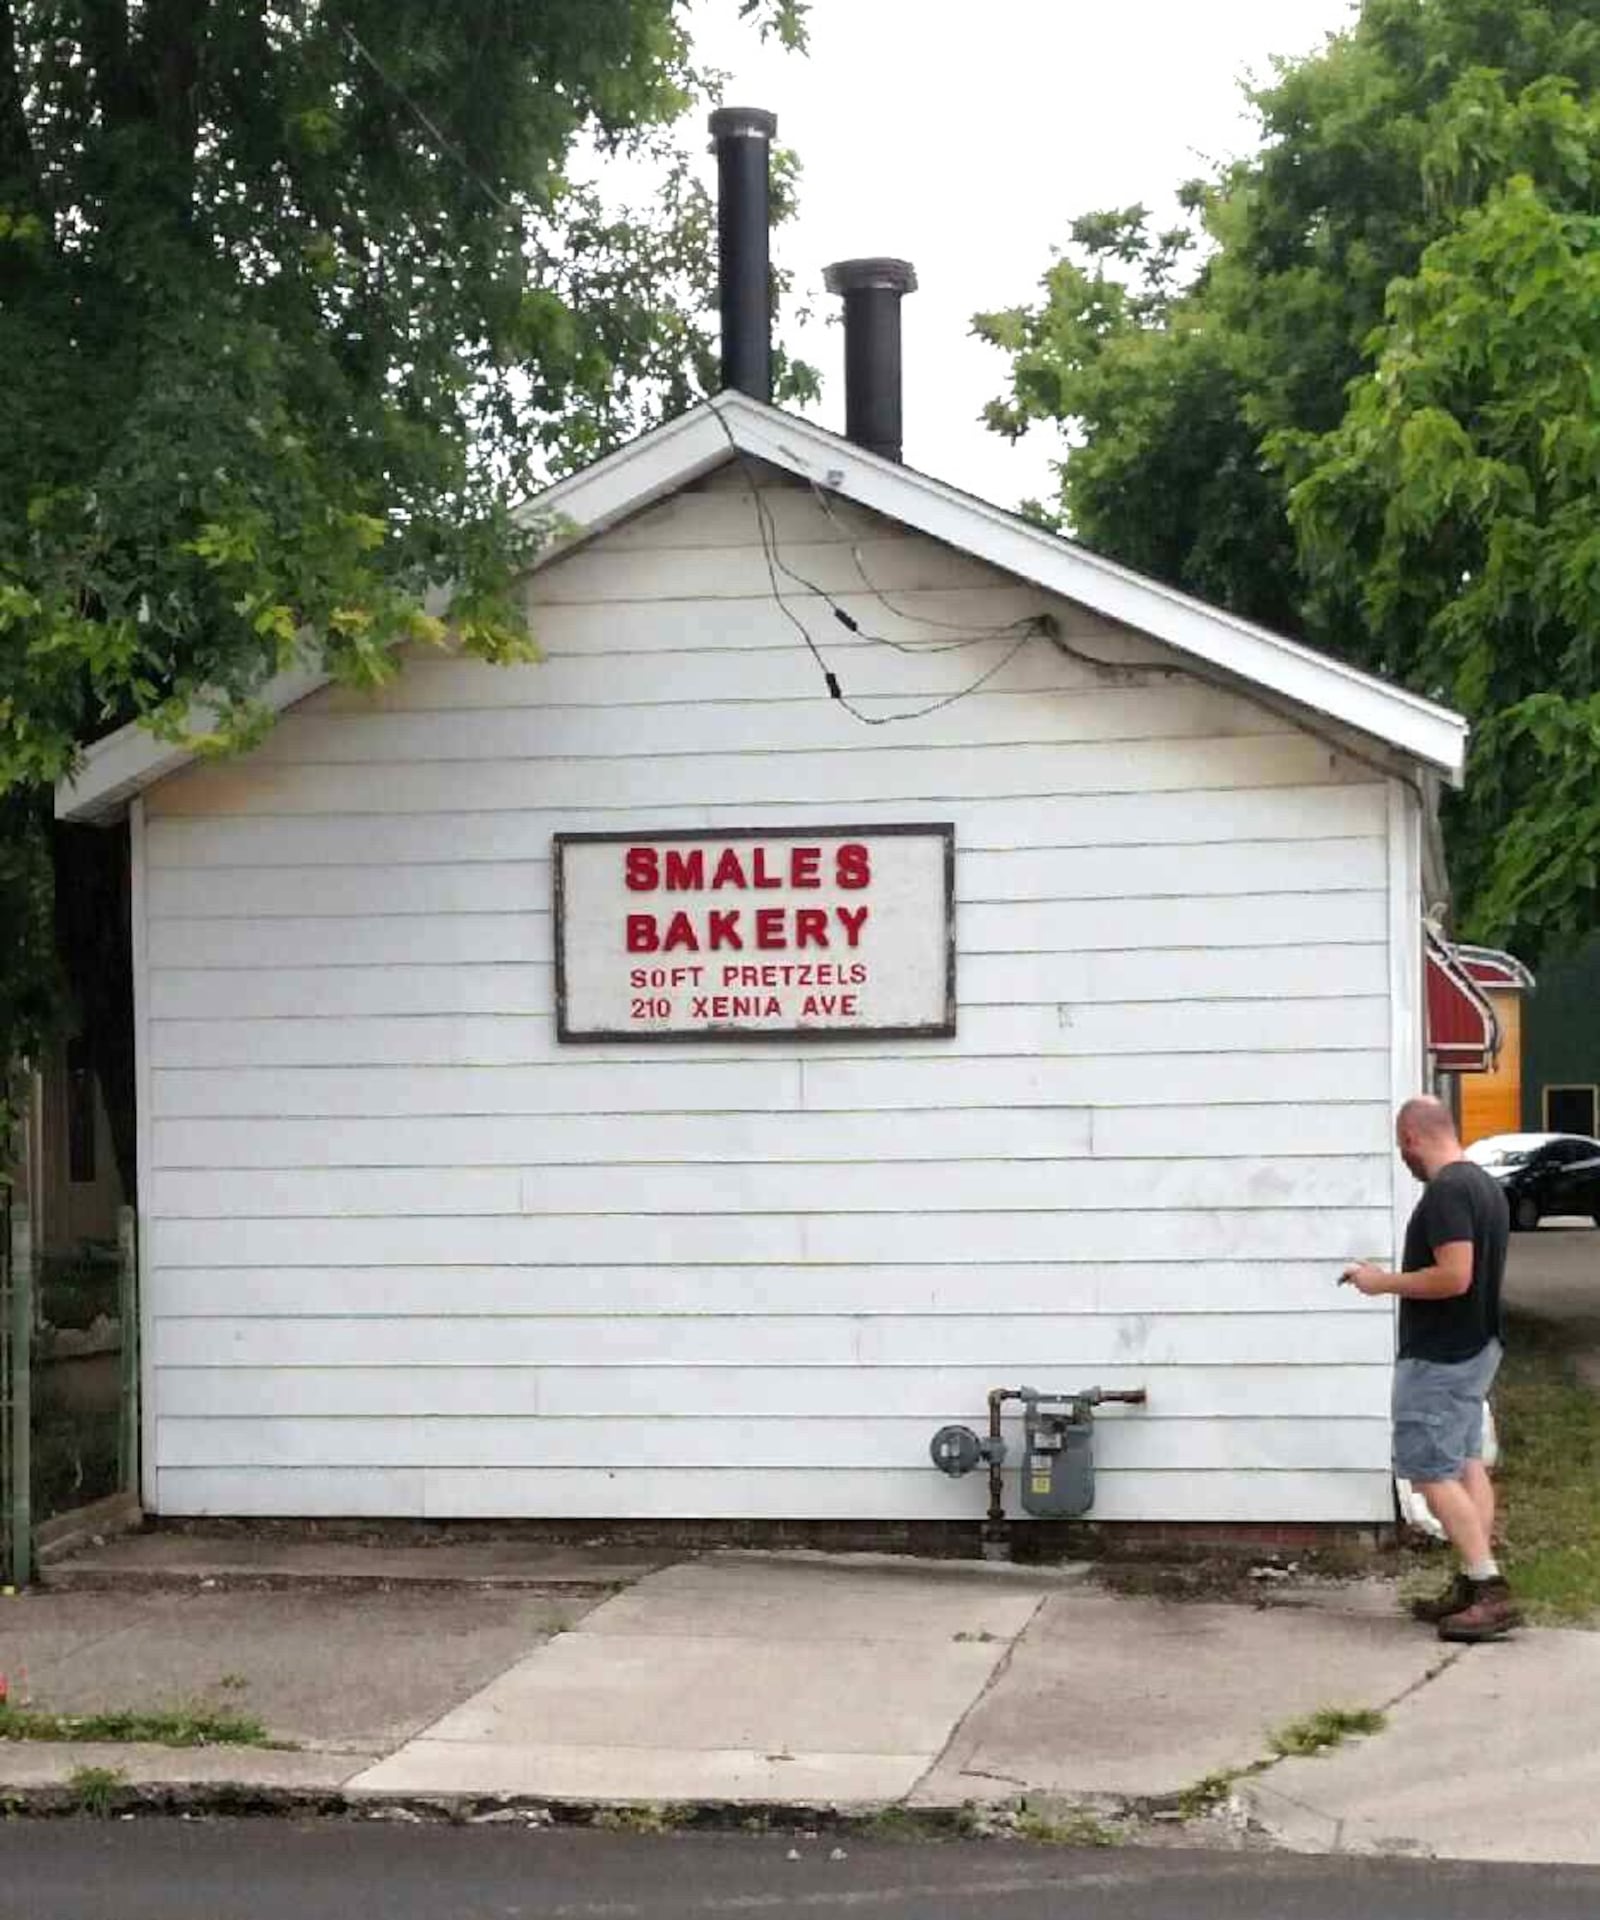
[(1448, 1278)]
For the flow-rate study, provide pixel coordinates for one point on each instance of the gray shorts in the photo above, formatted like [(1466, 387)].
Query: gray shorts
[(1438, 1414)]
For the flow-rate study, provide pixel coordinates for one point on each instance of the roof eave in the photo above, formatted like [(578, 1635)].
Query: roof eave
[(112, 771), (1422, 731)]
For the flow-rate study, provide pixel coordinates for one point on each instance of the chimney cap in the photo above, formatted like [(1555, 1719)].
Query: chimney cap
[(853, 276), (742, 123)]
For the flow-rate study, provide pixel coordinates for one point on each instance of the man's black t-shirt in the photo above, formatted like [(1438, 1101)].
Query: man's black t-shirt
[(1460, 1202)]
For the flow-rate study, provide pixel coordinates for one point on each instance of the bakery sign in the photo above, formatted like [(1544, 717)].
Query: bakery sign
[(823, 931)]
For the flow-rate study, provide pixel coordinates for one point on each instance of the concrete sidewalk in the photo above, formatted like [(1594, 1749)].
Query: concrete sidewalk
[(803, 1681)]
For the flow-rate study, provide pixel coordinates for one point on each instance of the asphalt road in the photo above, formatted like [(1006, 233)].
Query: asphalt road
[(268, 1870), (1553, 1274)]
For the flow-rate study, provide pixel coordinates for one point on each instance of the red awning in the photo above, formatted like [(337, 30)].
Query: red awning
[(1493, 969), (1463, 1033)]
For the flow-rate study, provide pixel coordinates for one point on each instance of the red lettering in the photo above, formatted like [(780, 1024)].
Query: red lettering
[(804, 867), (730, 870), (686, 872), (680, 933), (769, 928), (759, 875), (852, 919), (724, 930), (810, 927), (639, 869), (642, 933), (858, 975), (852, 867)]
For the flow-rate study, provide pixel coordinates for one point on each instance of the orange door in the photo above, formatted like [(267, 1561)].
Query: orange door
[(1492, 1102)]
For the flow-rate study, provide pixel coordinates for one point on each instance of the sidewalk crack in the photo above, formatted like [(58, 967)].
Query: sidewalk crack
[(1270, 1762), (999, 1671), (1442, 1665)]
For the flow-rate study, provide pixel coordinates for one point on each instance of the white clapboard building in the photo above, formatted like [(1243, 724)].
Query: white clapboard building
[(643, 1085)]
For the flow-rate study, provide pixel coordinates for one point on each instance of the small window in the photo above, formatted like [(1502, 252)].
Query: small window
[(80, 1114), (1569, 1110)]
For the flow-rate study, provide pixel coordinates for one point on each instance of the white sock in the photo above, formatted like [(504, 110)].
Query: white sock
[(1486, 1569)]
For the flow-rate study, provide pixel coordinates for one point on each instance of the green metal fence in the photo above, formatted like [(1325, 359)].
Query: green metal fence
[(58, 1455)]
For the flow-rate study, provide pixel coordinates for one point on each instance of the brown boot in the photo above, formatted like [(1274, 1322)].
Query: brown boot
[(1489, 1615), (1460, 1593)]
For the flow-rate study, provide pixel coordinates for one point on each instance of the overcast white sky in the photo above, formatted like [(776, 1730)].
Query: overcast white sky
[(963, 136)]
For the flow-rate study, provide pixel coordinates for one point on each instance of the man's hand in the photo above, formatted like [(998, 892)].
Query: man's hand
[(1366, 1278)]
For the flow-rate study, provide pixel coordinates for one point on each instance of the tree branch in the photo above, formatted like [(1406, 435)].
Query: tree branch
[(170, 47), (105, 41), (18, 171)]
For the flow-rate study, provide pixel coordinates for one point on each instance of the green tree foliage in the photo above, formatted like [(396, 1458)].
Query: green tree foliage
[(296, 301), (1353, 396)]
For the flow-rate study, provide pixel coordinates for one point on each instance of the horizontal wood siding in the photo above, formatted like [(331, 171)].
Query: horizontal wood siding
[(407, 1255)]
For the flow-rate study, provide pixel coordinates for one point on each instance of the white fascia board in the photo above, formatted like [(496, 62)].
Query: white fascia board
[(681, 452), (631, 479), (1419, 729), (113, 770)]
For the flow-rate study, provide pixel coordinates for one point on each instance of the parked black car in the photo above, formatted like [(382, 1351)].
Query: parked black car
[(1543, 1174)]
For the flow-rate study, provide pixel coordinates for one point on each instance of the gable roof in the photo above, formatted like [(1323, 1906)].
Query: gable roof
[(659, 463)]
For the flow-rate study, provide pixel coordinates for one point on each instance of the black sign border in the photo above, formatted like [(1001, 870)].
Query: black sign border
[(935, 1030)]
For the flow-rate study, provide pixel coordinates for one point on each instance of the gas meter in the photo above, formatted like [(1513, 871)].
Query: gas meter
[(1057, 1449)]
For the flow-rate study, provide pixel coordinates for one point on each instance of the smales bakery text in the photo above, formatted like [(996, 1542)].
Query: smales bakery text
[(713, 935)]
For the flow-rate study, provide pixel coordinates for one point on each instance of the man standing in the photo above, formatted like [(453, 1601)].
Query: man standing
[(1450, 1347)]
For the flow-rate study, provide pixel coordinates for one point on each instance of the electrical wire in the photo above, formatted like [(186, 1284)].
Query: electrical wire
[(1029, 626), (973, 635), (429, 125), (1034, 625), (1039, 623)]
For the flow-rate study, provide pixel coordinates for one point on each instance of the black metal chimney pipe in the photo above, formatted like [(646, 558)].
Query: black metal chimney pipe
[(872, 292), (743, 139)]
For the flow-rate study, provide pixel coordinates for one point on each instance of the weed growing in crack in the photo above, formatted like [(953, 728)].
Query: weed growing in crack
[(196, 1726), (1318, 1732), (1327, 1727), (95, 1790), (642, 1819), (1077, 1828), (1212, 1790)]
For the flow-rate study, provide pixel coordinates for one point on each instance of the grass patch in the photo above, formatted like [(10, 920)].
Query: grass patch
[(894, 1823), (641, 1819), (95, 1789), (1549, 1477), (1073, 1829), (187, 1727), (1327, 1727)]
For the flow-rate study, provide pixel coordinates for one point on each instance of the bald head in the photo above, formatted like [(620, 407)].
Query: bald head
[(1425, 1133)]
